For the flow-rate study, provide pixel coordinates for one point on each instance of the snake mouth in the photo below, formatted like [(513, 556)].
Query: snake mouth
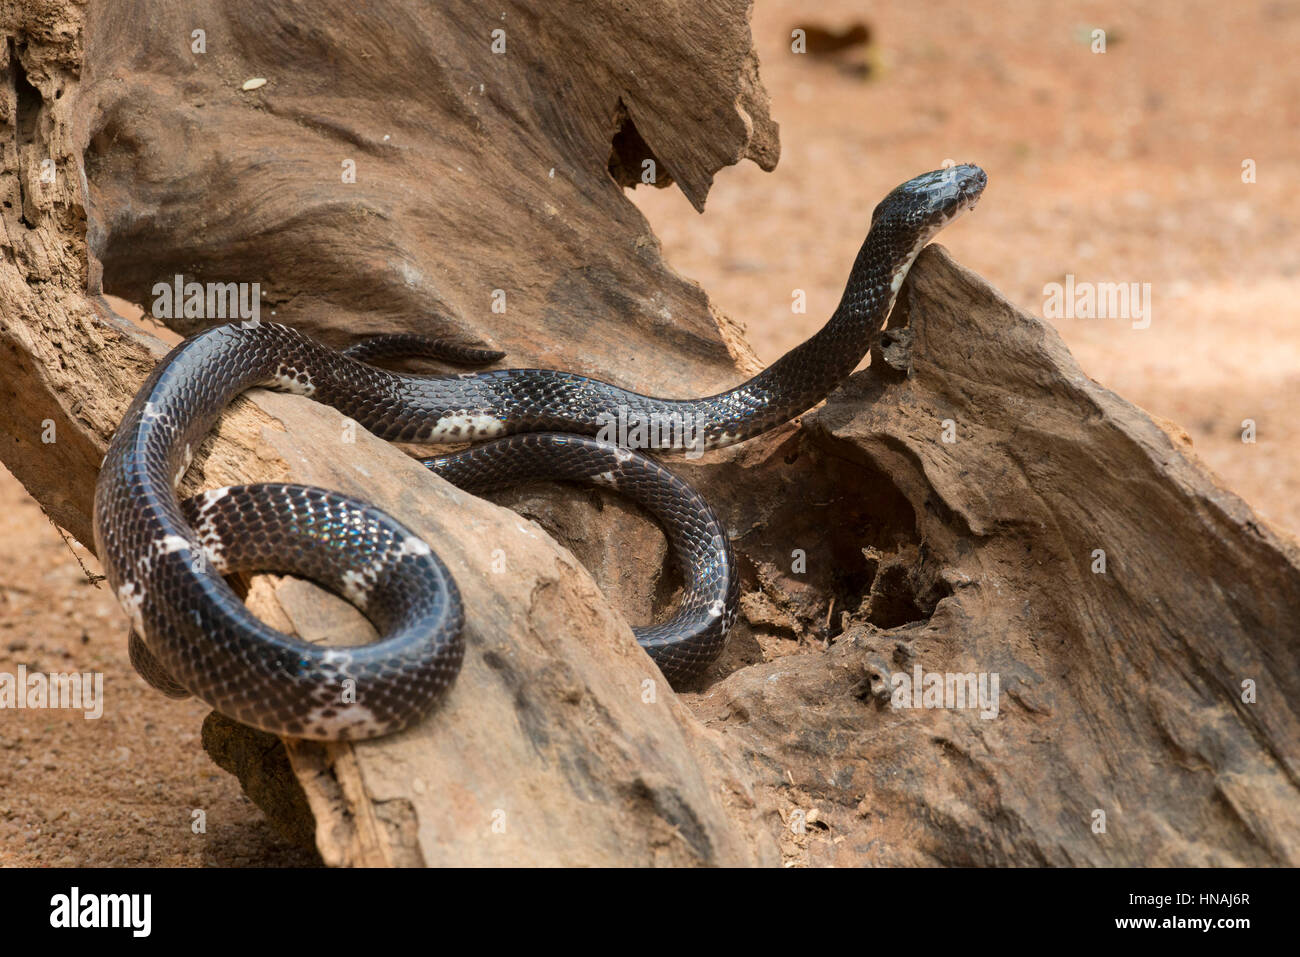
[(967, 186), (972, 185)]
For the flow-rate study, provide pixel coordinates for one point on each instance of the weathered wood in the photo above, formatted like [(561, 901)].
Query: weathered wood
[(561, 742), (475, 172), (1126, 691)]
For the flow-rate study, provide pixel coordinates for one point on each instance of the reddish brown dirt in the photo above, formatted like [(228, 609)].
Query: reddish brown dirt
[(122, 788), (1122, 166)]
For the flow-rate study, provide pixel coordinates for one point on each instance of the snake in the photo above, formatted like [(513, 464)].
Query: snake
[(169, 562)]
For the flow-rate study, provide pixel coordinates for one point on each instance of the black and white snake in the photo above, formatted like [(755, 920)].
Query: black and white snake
[(166, 559)]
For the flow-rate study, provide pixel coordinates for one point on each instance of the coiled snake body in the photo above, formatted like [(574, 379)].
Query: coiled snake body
[(166, 559)]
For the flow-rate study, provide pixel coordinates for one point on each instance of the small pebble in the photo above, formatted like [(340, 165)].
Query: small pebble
[(255, 83)]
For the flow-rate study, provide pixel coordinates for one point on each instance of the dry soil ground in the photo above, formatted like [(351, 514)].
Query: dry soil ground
[(1122, 166)]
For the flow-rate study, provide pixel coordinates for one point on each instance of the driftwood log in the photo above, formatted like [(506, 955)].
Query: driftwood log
[(971, 504)]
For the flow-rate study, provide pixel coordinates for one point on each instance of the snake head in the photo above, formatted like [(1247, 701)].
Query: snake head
[(925, 204)]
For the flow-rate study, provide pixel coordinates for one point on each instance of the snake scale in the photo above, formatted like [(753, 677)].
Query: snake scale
[(166, 560)]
